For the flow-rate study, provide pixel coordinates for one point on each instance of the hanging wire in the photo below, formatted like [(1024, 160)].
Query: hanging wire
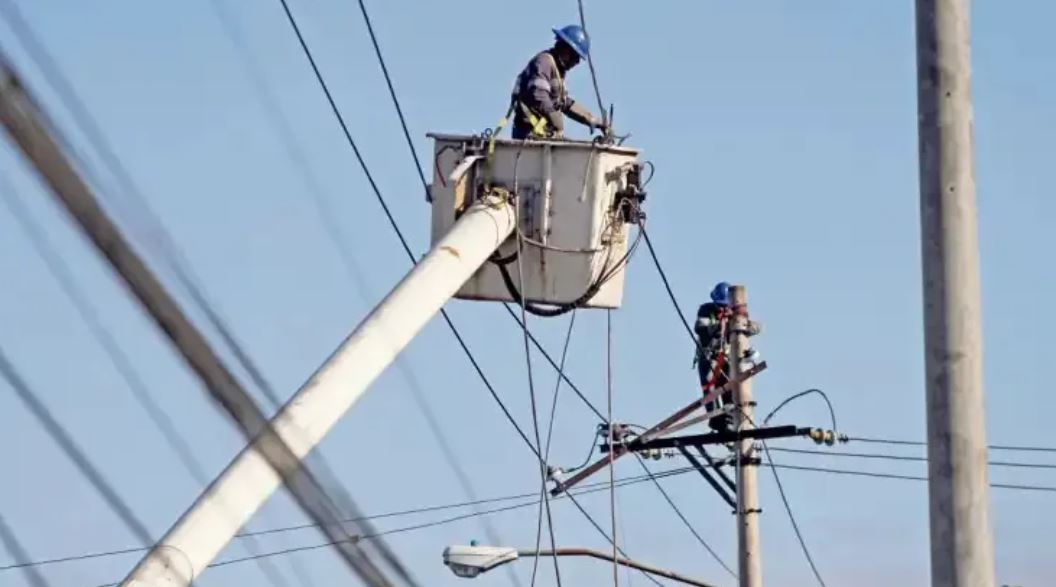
[(612, 445), (544, 504)]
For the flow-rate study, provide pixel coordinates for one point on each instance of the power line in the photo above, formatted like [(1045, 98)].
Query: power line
[(793, 397), (358, 561), (14, 547), (792, 517), (999, 447), (392, 93), (590, 61), (586, 490), (685, 520), (329, 220), (120, 361), (1011, 486), (667, 287), (542, 464), (612, 441), (406, 246), (888, 457), (62, 437), (221, 383)]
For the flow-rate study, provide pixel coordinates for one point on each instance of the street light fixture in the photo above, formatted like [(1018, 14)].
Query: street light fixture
[(470, 561)]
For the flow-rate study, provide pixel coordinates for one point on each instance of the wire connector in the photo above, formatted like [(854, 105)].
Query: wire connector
[(828, 437)]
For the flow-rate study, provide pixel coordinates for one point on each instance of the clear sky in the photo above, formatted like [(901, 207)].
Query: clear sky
[(784, 135)]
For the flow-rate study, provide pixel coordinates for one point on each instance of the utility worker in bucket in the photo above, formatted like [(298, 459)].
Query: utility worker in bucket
[(540, 99)]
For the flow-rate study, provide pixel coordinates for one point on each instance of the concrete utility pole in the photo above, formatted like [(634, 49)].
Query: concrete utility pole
[(961, 543), (749, 565)]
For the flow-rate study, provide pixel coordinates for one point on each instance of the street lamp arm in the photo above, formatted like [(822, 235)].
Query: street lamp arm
[(626, 562)]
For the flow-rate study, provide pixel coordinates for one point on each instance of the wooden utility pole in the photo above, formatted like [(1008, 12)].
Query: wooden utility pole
[(961, 543), (749, 565)]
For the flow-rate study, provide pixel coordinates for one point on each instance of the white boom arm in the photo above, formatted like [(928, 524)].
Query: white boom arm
[(232, 499)]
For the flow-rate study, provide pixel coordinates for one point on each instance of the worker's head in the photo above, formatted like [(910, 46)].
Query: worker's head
[(572, 45)]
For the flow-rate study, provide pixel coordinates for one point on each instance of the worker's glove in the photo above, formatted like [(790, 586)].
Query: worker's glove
[(557, 123), (602, 126)]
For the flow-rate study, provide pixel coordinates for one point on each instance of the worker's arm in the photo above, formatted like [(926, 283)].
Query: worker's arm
[(580, 114)]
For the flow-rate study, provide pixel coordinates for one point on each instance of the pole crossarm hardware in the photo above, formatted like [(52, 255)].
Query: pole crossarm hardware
[(711, 438), (656, 430)]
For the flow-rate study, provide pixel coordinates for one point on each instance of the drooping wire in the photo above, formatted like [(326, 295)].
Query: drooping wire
[(19, 554), (792, 517), (685, 520), (824, 396), (69, 446), (667, 286), (403, 241), (352, 267), (586, 489), (543, 465), (557, 388), (67, 94), (612, 443), (120, 361), (781, 489)]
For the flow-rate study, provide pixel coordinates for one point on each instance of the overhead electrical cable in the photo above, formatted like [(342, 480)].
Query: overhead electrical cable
[(120, 361)]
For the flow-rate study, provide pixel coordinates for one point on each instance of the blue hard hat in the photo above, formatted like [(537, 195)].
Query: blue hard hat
[(721, 293), (576, 38)]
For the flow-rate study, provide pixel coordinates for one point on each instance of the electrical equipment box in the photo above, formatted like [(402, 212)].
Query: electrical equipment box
[(575, 200)]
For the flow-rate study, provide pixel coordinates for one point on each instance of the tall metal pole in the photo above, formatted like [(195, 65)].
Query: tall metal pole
[(749, 565), (961, 543)]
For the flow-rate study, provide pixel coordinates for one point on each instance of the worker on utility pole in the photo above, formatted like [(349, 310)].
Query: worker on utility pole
[(712, 360), (540, 99)]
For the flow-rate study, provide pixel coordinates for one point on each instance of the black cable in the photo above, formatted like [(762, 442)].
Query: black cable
[(585, 490), (355, 272), (1000, 447), (558, 368), (392, 93), (403, 241), (590, 62), (824, 396), (887, 457), (62, 437), (120, 361), (84, 118), (667, 286), (596, 489), (685, 520), (1013, 486), (612, 440), (15, 548), (605, 534), (543, 466), (792, 517)]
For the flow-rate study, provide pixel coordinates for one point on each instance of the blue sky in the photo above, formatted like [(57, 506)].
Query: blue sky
[(784, 135)]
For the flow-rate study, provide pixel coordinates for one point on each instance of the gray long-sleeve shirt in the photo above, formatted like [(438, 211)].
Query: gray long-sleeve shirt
[(541, 87)]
